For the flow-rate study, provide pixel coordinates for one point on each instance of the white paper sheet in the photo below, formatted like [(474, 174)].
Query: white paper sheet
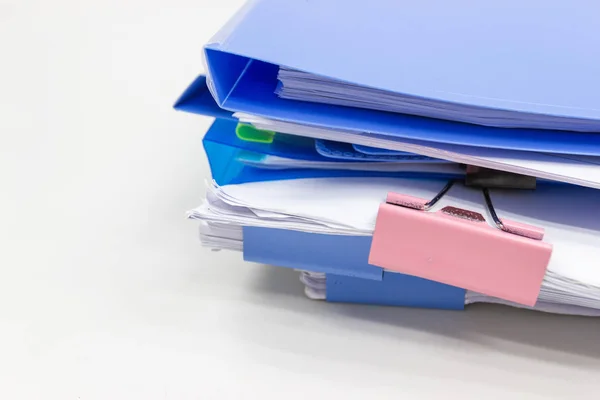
[(304, 86)]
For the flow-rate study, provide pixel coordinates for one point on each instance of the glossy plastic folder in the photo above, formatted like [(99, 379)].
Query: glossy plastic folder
[(237, 160), (492, 56), (509, 58), (579, 170)]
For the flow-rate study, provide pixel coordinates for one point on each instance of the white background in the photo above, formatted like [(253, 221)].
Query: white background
[(105, 292)]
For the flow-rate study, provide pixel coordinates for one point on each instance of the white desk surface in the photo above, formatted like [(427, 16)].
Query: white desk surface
[(105, 292)]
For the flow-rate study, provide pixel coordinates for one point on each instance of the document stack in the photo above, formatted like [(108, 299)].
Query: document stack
[(417, 154)]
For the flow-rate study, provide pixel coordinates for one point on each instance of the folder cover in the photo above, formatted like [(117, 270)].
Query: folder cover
[(494, 56)]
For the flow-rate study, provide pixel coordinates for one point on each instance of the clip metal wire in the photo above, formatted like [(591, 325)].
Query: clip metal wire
[(506, 226), (438, 196), (492, 211)]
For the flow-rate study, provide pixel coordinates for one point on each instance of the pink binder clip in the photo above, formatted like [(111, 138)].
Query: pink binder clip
[(458, 247)]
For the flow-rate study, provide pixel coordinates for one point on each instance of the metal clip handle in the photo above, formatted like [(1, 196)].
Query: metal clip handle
[(493, 179)]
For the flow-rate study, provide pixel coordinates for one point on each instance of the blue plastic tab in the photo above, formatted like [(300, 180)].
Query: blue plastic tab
[(331, 254), (347, 152), (395, 290)]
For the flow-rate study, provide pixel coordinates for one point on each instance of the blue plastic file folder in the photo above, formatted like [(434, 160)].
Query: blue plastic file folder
[(223, 147), (350, 278), (223, 150), (500, 55)]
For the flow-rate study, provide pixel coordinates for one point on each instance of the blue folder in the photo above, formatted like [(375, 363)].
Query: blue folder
[(223, 148), (332, 254), (499, 55), (225, 151), (350, 278)]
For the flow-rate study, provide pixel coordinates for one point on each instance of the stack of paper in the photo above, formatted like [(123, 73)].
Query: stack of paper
[(304, 86), (314, 206), (391, 167)]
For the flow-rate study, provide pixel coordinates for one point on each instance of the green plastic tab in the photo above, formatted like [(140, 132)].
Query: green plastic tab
[(252, 134)]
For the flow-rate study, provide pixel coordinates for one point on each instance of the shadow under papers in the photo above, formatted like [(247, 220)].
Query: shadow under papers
[(494, 327)]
